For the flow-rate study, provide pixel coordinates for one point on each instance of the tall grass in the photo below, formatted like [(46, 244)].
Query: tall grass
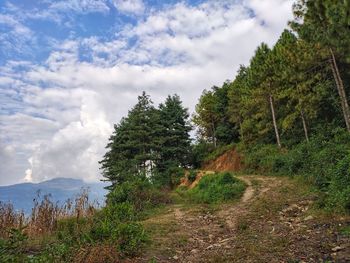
[(45, 214)]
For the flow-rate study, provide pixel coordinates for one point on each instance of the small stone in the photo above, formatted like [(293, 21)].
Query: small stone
[(308, 218), (194, 251), (175, 257), (210, 247), (337, 248)]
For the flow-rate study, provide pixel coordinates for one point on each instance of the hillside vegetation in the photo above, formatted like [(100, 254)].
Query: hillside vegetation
[(285, 117)]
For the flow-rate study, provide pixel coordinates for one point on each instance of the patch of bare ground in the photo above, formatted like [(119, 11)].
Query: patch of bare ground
[(274, 222)]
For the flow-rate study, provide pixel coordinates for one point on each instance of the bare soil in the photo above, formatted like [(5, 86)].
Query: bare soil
[(229, 161)]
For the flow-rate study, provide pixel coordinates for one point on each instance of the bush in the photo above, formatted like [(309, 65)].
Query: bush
[(339, 186), (261, 158), (192, 176), (217, 188), (141, 194), (131, 237), (324, 161), (11, 248), (106, 222)]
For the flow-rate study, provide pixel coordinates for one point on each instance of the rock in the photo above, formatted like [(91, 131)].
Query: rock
[(308, 218), (210, 247), (194, 251), (175, 257), (337, 248)]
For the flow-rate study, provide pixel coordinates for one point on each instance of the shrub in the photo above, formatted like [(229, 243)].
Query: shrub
[(192, 175), (261, 158), (141, 194), (217, 188), (11, 248), (339, 186), (324, 161), (106, 222), (131, 237)]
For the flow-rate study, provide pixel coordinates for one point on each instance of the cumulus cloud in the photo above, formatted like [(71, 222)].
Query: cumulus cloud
[(65, 107)]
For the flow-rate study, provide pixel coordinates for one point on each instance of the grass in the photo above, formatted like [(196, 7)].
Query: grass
[(217, 188)]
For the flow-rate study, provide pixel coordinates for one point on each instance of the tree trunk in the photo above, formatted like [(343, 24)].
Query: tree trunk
[(240, 129), (214, 135), (274, 121), (304, 125), (341, 90)]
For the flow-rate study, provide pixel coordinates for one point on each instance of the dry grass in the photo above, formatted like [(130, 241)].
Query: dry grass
[(45, 214)]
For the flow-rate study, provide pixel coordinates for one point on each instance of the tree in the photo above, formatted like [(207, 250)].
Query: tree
[(327, 22), (260, 116), (148, 142), (173, 138), (206, 116), (131, 147)]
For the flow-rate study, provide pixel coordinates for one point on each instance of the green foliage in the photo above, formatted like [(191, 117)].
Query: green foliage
[(173, 141), (261, 158), (217, 188), (141, 194), (200, 151), (150, 143), (192, 175), (324, 162), (12, 248), (131, 238), (297, 91), (131, 147), (212, 118)]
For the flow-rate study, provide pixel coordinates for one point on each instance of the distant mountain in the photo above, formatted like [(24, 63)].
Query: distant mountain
[(60, 189)]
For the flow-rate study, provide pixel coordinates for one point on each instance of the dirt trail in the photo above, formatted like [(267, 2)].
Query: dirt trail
[(212, 233), (270, 223), (208, 233)]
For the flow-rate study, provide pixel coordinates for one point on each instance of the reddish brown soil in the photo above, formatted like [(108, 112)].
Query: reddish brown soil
[(229, 161)]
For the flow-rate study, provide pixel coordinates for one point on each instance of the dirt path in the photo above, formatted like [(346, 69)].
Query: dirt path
[(269, 224), (210, 233)]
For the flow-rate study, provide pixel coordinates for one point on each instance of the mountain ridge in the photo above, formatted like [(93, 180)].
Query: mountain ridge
[(60, 189)]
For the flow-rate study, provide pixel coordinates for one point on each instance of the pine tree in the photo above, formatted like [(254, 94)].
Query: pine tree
[(131, 147), (173, 139), (327, 22), (259, 116), (206, 116), (237, 94)]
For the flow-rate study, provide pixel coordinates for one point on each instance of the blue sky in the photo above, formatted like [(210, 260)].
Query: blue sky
[(70, 69)]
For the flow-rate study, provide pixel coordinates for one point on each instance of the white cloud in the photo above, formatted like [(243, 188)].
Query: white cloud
[(67, 106), (80, 6), (130, 6), (14, 35)]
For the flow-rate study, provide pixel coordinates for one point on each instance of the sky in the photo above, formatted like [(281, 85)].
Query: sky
[(70, 69)]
